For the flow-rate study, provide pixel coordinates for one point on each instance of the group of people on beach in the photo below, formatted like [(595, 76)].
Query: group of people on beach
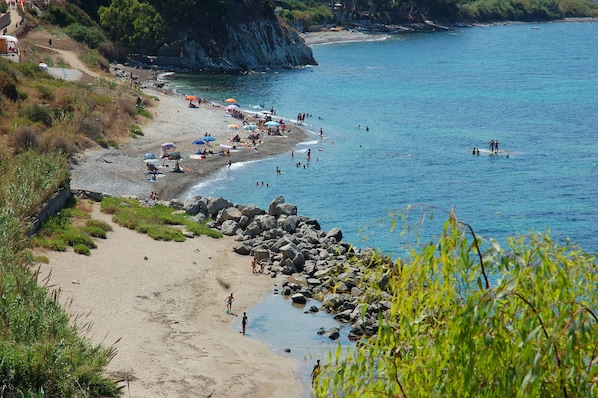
[(229, 310), (493, 145), (301, 117)]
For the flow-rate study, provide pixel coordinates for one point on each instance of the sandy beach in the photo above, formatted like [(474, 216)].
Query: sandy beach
[(122, 171), (162, 304)]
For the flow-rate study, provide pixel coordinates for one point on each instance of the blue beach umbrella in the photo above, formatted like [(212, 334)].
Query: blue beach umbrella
[(249, 127), (199, 142), (209, 138), (272, 123)]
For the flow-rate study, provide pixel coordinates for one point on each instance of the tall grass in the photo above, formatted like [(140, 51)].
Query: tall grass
[(42, 352), (29, 179)]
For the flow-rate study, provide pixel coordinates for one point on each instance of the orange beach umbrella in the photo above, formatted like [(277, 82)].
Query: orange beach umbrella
[(230, 100)]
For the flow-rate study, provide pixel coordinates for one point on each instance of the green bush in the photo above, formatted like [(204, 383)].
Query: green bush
[(37, 113), (82, 249), (135, 130), (89, 35), (144, 112), (468, 318), (95, 232), (99, 224), (65, 15)]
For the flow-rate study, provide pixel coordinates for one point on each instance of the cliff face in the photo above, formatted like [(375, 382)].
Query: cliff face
[(254, 45)]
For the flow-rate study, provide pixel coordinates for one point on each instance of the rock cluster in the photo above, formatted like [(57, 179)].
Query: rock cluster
[(320, 265)]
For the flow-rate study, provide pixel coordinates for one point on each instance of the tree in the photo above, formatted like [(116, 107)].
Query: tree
[(520, 322), (132, 23)]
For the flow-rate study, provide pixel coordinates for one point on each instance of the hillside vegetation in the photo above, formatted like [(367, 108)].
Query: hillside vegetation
[(449, 331)]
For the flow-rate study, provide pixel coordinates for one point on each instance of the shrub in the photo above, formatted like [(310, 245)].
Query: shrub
[(37, 113), (127, 106), (45, 93), (135, 130), (143, 112), (73, 237), (25, 138), (89, 35), (82, 249), (8, 87), (66, 15), (55, 142), (99, 224)]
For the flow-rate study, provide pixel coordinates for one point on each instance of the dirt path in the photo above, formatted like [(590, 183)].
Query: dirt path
[(71, 58)]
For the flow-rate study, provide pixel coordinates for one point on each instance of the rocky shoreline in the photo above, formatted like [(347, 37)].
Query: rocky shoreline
[(318, 264)]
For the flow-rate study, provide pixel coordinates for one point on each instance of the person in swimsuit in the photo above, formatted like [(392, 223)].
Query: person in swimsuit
[(244, 322), (229, 303)]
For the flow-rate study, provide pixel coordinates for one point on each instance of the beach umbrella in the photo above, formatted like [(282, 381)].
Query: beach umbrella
[(231, 100), (154, 160), (257, 107), (249, 127), (233, 126), (191, 98), (168, 145), (272, 123), (209, 138), (232, 107), (199, 142), (150, 155)]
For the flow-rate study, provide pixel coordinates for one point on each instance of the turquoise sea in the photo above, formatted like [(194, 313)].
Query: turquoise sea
[(428, 100)]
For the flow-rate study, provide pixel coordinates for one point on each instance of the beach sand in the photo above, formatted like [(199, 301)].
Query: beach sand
[(122, 171), (162, 304)]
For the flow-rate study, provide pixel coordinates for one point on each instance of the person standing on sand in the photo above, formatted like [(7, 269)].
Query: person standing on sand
[(229, 303), (244, 322)]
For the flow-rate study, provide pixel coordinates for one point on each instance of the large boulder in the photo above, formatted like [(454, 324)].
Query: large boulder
[(215, 205), (229, 213), (299, 298), (278, 207), (336, 234), (230, 228)]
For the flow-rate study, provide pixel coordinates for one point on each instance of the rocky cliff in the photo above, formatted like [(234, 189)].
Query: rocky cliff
[(258, 45)]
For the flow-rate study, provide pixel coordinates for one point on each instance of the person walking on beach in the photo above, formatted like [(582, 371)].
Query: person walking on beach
[(229, 303), (244, 322)]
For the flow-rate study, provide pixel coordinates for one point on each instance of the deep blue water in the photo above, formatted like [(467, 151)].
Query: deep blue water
[(428, 100)]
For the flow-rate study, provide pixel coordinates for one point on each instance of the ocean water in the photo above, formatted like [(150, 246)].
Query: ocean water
[(428, 100)]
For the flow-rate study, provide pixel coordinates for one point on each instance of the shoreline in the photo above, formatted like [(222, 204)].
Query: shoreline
[(162, 302), (121, 172)]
